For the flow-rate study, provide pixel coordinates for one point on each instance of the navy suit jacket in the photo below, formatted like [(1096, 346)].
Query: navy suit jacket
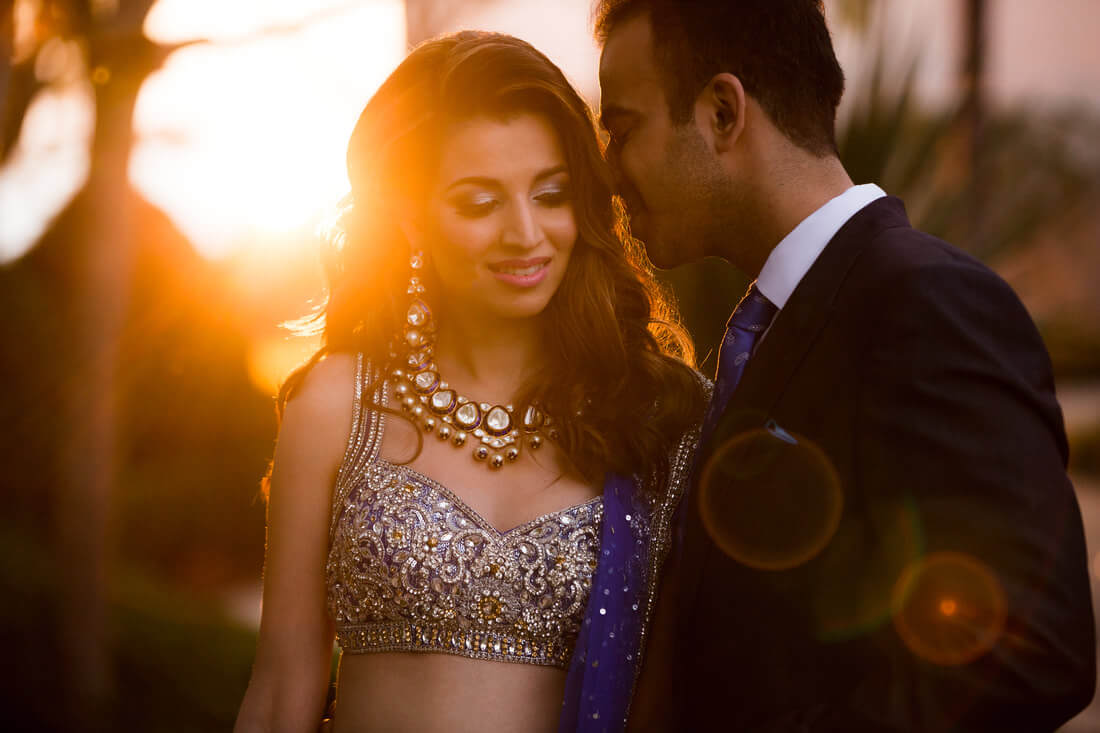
[(899, 545)]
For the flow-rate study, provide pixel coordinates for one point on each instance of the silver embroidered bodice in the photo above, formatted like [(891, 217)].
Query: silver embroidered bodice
[(411, 567)]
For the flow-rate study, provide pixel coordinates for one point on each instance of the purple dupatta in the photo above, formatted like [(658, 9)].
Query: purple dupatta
[(602, 673)]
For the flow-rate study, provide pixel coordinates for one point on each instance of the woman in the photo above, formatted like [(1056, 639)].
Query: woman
[(490, 529)]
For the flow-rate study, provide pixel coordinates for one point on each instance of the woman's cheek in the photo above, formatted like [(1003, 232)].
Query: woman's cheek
[(467, 239), (564, 227)]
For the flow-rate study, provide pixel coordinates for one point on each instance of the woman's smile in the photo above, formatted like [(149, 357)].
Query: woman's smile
[(524, 273)]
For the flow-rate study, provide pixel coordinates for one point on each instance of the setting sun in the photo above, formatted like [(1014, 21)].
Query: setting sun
[(242, 135)]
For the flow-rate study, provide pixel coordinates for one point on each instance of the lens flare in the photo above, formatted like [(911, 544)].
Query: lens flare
[(769, 499), (270, 361), (858, 574), (949, 608)]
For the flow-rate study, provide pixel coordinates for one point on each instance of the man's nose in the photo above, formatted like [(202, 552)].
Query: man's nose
[(618, 180)]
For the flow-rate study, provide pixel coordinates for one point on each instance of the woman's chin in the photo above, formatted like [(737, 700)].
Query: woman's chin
[(520, 311), (509, 304)]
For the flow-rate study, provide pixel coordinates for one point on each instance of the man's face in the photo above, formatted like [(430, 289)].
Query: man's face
[(666, 174)]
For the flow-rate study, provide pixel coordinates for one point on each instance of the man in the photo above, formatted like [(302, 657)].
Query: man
[(881, 535)]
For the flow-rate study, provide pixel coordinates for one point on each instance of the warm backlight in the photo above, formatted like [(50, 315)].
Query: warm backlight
[(244, 136)]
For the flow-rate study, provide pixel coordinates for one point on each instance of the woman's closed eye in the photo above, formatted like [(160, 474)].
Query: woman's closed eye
[(475, 207), (554, 196)]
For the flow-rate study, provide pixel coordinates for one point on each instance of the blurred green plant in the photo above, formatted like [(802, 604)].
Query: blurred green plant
[(181, 664), (1027, 170), (1084, 450), (1001, 183), (855, 13)]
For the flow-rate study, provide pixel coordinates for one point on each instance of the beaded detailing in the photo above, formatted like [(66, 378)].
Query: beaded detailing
[(413, 568), (659, 530)]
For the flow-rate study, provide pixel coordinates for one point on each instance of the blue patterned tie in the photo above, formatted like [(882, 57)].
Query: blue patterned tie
[(749, 320)]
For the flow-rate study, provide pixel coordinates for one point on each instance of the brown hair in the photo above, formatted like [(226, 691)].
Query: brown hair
[(779, 49), (616, 375)]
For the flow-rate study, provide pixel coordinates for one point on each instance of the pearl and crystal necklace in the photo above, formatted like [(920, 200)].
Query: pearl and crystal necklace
[(497, 435)]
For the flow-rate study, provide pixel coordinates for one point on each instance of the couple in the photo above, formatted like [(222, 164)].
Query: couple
[(504, 491)]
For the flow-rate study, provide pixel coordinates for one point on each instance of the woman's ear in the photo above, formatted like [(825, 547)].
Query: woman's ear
[(720, 111), (411, 222), (413, 233)]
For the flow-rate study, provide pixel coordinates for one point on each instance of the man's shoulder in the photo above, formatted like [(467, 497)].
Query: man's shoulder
[(908, 280), (903, 259), (905, 250), (878, 251), (903, 272)]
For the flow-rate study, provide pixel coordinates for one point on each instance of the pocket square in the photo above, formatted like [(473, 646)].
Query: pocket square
[(773, 427)]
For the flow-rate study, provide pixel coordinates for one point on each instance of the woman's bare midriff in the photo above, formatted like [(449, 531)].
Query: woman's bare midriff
[(406, 691)]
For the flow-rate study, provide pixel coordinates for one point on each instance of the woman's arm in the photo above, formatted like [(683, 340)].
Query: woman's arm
[(293, 658)]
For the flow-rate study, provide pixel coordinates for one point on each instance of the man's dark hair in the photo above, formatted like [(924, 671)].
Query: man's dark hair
[(779, 49)]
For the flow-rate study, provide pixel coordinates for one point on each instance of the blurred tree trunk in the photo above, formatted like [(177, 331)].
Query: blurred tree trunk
[(7, 57), (973, 114), (90, 249)]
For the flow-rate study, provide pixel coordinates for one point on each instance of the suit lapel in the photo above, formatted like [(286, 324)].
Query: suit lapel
[(809, 308), (792, 334)]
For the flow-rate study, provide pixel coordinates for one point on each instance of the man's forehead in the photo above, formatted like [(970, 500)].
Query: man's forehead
[(627, 68)]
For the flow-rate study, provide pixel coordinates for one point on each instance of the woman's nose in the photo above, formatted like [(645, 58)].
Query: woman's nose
[(522, 228)]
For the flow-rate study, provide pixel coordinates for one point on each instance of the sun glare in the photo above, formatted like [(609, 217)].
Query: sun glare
[(244, 136), (271, 360), (47, 166)]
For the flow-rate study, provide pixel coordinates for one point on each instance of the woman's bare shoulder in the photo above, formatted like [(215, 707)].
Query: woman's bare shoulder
[(328, 380), (318, 416)]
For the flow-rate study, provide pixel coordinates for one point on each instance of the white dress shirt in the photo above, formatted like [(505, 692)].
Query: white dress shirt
[(796, 253)]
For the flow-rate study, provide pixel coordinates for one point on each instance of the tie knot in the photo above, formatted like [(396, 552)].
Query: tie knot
[(754, 313)]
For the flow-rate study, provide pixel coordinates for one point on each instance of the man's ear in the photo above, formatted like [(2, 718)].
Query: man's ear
[(720, 111)]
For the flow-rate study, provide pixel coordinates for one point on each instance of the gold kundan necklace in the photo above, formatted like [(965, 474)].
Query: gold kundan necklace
[(498, 437)]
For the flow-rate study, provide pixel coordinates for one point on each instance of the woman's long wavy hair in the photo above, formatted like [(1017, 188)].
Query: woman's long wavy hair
[(616, 371)]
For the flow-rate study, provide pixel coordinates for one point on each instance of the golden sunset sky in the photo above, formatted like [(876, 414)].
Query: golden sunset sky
[(241, 139)]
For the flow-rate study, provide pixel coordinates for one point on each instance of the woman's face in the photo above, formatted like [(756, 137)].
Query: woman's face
[(501, 217)]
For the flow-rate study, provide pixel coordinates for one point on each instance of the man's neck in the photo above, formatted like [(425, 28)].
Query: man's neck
[(792, 188)]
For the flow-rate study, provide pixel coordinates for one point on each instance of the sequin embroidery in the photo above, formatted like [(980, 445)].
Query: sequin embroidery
[(411, 567)]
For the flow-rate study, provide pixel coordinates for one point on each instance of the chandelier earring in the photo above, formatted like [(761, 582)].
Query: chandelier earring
[(497, 435)]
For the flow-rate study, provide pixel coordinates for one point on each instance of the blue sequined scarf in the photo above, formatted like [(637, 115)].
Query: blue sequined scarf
[(601, 675)]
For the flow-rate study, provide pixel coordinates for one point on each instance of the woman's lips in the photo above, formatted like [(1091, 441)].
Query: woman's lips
[(521, 273)]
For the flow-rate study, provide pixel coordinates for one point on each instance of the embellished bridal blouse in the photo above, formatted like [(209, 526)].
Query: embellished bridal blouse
[(412, 567)]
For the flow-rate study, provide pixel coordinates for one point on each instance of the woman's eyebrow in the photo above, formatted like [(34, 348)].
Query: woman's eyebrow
[(494, 183), (543, 175), (478, 180)]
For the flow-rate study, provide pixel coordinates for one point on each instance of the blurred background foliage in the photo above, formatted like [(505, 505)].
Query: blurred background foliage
[(136, 433)]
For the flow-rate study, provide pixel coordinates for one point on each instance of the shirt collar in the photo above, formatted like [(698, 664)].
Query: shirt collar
[(792, 258)]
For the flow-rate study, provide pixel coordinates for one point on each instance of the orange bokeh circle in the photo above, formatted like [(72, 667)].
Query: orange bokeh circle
[(769, 501), (948, 608)]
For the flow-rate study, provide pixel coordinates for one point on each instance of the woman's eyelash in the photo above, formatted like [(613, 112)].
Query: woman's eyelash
[(474, 207), (556, 194)]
